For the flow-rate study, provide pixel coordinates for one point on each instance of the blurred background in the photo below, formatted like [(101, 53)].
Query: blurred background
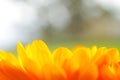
[(60, 22)]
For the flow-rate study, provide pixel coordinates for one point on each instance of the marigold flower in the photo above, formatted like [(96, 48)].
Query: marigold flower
[(36, 62)]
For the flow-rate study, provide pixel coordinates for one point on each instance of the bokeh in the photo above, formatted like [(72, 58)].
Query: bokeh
[(60, 22)]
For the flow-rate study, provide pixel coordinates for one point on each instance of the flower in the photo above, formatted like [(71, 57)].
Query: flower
[(36, 62)]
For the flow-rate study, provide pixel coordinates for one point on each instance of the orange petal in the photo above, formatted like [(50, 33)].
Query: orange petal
[(79, 61), (9, 72), (114, 54), (70, 66), (51, 72), (82, 56), (101, 58), (107, 73), (60, 55), (77, 47), (89, 73)]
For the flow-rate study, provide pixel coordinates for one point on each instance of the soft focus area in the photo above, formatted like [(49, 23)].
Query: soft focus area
[(60, 22)]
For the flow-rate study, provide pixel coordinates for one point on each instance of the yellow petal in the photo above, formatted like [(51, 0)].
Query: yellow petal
[(27, 63), (93, 51), (34, 56), (8, 58)]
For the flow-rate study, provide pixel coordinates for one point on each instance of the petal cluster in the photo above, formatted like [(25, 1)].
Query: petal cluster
[(36, 62)]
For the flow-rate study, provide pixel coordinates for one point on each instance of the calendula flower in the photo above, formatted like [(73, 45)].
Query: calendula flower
[(36, 62)]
